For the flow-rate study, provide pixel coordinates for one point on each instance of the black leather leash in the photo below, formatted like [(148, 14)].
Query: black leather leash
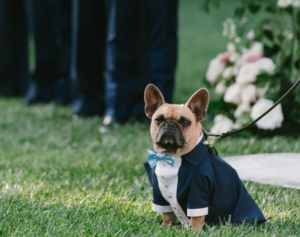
[(229, 133)]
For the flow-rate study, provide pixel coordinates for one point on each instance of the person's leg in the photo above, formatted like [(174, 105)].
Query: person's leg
[(141, 60), (13, 48), (44, 77), (62, 26), (89, 91), (162, 28), (51, 33), (121, 64)]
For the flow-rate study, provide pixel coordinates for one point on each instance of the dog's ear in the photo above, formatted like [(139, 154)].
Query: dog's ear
[(198, 103), (153, 99)]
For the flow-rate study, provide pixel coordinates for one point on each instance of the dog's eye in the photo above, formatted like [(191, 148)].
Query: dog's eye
[(159, 120), (184, 122)]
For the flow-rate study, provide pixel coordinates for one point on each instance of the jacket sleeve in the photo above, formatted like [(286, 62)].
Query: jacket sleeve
[(159, 204), (199, 194)]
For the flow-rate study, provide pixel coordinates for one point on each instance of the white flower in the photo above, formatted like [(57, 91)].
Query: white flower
[(296, 3), (242, 109), (284, 3), (220, 88), (261, 92), (247, 73), (250, 35), (215, 69), (233, 94), (244, 20), (244, 57), (272, 120), (232, 31), (234, 57), (288, 34), (231, 47), (248, 94), (257, 48), (222, 124), (244, 50), (239, 62), (237, 40), (235, 70), (265, 64), (227, 73), (236, 126), (229, 29)]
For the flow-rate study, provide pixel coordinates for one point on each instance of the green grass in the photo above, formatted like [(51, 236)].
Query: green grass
[(60, 177)]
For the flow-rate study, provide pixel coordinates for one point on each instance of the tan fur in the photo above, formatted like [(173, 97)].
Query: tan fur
[(168, 218), (195, 110), (197, 222), (173, 112)]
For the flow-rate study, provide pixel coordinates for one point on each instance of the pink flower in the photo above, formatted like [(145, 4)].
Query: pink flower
[(225, 57), (253, 58)]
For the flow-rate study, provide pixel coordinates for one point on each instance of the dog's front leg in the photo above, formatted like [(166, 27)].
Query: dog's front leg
[(197, 222), (168, 218)]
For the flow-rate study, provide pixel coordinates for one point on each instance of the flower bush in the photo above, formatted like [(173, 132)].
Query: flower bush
[(260, 63)]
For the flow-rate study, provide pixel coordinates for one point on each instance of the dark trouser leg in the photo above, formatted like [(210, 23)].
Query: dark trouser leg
[(51, 32), (63, 91), (89, 91), (162, 28), (121, 64), (13, 48)]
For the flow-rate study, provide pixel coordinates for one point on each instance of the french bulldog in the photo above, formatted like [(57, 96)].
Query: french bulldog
[(191, 183)]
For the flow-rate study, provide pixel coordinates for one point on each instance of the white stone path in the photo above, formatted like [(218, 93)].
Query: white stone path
[(281, 169)]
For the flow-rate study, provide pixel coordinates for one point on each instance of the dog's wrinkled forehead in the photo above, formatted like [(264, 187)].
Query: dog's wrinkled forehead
[(174, 111)]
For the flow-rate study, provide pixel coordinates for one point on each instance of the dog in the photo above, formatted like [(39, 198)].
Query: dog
[(190, 182)]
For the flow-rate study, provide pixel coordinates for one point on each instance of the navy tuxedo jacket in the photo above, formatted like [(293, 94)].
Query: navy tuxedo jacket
[(205, 185)]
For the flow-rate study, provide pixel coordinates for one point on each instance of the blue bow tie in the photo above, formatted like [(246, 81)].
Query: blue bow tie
[(153, 158)]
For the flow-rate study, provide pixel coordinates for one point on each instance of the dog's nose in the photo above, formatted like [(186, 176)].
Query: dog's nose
[(171, 125), (168, 139)]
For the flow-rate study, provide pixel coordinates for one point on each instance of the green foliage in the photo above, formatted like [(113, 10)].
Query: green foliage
[(207, 4)]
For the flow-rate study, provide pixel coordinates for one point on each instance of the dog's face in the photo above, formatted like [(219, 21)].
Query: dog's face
[(175, 129)]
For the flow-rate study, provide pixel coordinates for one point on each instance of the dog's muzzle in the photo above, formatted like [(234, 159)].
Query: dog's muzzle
[(170, 136)]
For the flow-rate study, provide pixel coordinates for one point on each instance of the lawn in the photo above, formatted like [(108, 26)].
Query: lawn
[(60, 177)]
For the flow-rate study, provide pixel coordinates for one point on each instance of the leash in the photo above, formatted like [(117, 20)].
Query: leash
[(229, 133)]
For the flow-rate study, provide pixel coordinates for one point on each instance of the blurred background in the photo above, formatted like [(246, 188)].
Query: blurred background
[(65, 57), (98, 56)]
